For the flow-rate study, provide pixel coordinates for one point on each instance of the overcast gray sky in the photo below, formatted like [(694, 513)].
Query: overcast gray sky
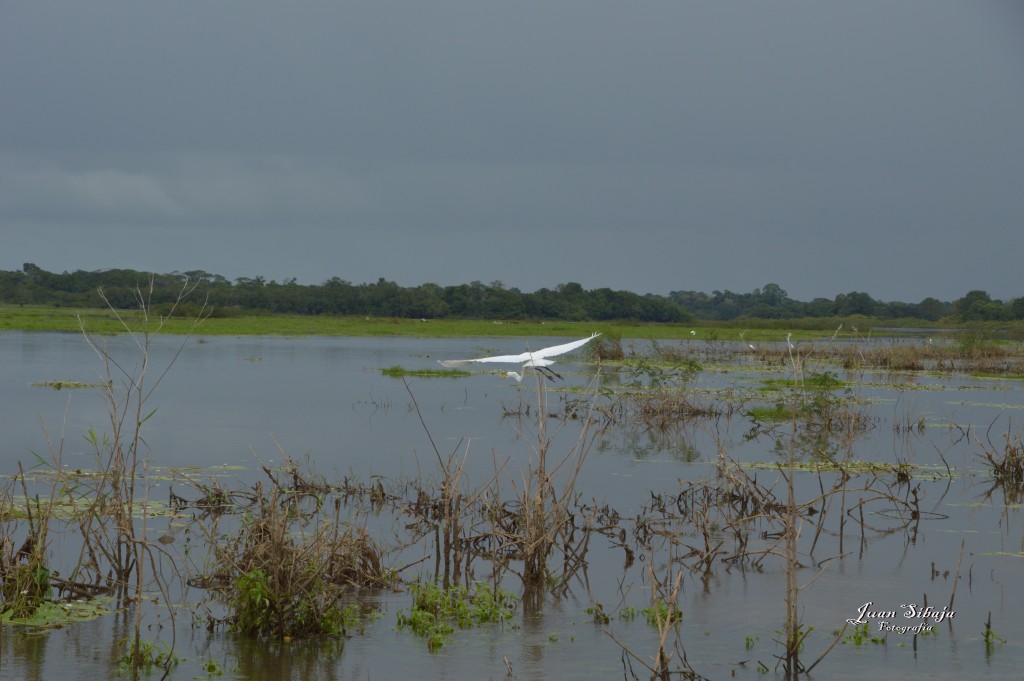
[(868, 145)]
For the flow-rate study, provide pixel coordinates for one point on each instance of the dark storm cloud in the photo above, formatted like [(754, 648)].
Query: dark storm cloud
[(650, 146)]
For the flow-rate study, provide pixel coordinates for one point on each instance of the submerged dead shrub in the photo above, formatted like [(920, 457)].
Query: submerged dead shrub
[(897, 358), (1007, 467), (662, 411), (608, 348), (287, 573)]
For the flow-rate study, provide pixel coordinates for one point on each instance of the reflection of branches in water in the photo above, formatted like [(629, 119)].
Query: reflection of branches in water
[(821, 423), (633, 424), (635, 440), (663, 614), (373, 405), (958, 433), (738, 520), (1006, 466), (1012, 495)]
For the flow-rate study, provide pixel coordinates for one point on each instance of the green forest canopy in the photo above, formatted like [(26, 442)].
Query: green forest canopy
[(568, 302)]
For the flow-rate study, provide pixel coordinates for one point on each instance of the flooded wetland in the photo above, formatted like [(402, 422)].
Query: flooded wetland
[(325, 507)]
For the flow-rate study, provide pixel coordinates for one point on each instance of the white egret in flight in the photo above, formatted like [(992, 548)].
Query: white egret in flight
[(537, 359)]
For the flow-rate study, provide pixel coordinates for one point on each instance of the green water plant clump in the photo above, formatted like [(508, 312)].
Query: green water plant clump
[(662, 612), (260, 607), (436, 610), (24, 588), (398, 371)]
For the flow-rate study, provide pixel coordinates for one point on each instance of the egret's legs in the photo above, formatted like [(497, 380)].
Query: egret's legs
[(549, 374)]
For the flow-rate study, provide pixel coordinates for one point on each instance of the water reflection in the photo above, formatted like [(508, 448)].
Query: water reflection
[(285, 660)]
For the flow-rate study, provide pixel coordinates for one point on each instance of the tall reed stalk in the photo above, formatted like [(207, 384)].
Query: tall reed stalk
[(110, 528), (546, 498)]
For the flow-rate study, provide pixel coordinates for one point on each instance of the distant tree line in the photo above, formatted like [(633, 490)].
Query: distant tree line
[(475, 300)]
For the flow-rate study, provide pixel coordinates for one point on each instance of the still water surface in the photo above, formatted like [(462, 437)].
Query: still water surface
[(231, 401)]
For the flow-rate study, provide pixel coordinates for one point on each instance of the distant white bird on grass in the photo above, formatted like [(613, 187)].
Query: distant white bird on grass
[(537, 359)]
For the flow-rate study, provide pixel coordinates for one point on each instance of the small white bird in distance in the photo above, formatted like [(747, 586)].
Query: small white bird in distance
[(537, 359)]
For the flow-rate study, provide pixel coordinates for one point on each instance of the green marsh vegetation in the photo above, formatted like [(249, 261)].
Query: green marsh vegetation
[(768, 307), (973, 337), (436, 611), (38, 318), (397, 371)]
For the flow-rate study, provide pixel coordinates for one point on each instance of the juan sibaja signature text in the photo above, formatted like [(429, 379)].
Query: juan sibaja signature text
[(887, 618)]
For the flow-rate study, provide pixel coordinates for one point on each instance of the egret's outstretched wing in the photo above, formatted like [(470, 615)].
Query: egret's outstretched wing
[(507, 359), (555, 350), (522, 357)]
